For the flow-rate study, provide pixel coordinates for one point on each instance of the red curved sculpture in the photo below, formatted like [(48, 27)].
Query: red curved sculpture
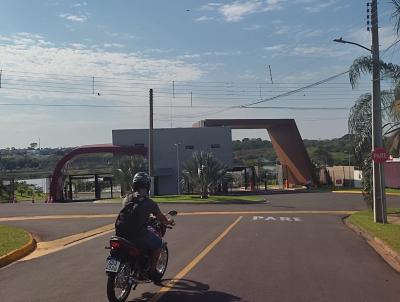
[(56, 180)]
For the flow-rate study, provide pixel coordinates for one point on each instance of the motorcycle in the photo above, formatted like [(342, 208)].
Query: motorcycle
[(127, 265)]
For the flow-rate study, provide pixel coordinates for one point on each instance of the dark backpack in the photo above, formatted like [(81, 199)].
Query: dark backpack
[(127, 224)]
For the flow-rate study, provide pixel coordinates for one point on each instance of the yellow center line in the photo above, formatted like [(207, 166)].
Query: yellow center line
[(193, 263), (91, 216), (266, 212), (16, 218)]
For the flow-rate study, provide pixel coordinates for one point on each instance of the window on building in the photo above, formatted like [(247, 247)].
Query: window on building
[(189, 147), (215, 146)]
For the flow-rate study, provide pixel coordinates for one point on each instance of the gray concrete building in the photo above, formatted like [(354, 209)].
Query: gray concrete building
[(169, 142)]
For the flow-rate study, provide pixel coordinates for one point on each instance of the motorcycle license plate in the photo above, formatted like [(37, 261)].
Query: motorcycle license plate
[(112, 265)]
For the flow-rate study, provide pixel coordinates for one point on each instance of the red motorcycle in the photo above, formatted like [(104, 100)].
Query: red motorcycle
[(127, 266)]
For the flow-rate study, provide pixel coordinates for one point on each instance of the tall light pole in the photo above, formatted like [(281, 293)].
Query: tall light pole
[(177, 145), (378, 174), (378, 179), (151, 141)]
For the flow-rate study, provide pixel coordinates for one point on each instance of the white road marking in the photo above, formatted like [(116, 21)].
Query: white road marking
[(281, 219)]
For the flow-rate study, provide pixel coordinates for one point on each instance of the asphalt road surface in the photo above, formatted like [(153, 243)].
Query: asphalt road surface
[(295, 247)]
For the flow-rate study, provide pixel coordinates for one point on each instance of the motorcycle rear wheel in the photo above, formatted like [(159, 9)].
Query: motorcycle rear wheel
[(119, 284)]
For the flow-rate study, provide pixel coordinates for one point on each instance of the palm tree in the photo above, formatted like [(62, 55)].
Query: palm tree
[(203, 172), (125, 169), (360, 118)]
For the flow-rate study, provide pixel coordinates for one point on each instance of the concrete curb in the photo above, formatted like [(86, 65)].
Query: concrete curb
[(19, 253), (387, 253), (358, 192)]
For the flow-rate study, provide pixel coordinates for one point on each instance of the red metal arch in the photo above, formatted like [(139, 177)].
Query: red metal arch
[(56, 180)]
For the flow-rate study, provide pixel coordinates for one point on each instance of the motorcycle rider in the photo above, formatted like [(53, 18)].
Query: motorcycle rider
[(132, 221)]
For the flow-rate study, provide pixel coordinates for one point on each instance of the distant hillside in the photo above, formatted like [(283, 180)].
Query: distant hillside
[(259, 152)]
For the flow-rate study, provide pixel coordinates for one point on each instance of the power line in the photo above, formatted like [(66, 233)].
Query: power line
[(174, 106)]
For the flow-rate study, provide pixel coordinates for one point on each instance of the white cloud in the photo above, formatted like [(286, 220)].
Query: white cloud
[(203, 18), (306, 50), (190, 56), (31, 55), (222, 53), (318, 6), (120, 35), (210, 6), (84, 3), (238, 10), (78, 45), (274, 5), (74, 18), (114, 45), (252, 27), (363, 37), (277, 47)]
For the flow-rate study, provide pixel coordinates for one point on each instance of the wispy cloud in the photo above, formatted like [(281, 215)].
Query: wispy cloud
[(81, 4), (252, 27), (363, 37), (305, 50), (204, 18), (210, 6), (272, 5), (114, 45), (277, 47), (74, 18), (238, 10), (28, 53), (317, 6)]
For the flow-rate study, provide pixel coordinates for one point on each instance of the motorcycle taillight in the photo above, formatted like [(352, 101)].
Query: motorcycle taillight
[(115, 244)]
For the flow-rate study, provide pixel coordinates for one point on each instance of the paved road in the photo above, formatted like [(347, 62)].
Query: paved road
[(265, 256)]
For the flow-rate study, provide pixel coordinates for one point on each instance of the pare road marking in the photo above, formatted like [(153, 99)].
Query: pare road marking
[(281, 219)]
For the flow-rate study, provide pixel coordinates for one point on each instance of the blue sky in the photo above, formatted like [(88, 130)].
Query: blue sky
[(199, 56)]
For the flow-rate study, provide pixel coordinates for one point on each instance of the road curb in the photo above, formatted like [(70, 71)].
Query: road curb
[(19, 253), (387, 253), (358, 192)]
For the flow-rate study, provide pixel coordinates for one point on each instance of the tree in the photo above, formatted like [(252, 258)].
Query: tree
[(203, 172), (125, 169), (360, 118), (32, 146)]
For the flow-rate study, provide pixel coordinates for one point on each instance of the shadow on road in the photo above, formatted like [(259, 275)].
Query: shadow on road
[(189, 290)]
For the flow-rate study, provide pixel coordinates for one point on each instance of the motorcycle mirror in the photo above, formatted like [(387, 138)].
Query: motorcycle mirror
[(173, 213)]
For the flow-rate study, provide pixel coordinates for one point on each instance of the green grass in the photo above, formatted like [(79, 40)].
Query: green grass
[(388, 233), (196, 199), (11, 239), (391, 190), (388, 190), (211, 198)]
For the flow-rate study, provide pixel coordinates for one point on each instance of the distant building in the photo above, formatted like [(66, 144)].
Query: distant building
[(392, 173), (217, 140), (341, 176)]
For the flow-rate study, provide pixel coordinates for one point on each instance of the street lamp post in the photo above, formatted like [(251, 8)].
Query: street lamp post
[(378, 179), (177, 145)]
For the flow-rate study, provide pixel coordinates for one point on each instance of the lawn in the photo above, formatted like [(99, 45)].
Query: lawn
[(388, 233), (196, 199), (388, 190), (211, 198), (11, 239)]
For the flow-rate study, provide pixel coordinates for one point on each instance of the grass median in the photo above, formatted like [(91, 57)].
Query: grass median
[(11, 239), (388, 233), (221, 199)]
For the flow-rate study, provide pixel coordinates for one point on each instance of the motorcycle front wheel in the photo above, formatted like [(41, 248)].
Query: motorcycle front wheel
[(119, 284), (162, 263)]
